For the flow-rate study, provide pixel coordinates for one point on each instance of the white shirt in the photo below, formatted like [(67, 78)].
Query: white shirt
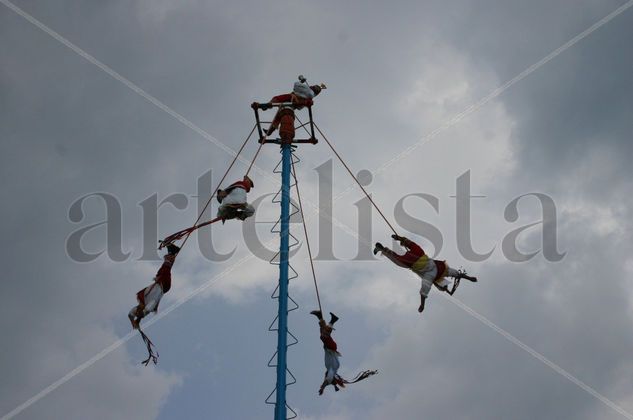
[(303, 90), (236, 196)]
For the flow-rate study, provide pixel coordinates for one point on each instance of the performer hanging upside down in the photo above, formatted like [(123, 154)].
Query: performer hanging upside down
[(431, 272), (331, 354), (149, 297), (233, 201), (331, 357)]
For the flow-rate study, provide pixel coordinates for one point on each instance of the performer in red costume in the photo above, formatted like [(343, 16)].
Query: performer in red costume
[(149, 297), (232, 200), (431, 272), (331, 357), (331, 354), (301, 96)]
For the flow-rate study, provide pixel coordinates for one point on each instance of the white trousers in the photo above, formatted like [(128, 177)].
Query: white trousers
[(331, 365), (227, 211), (236, 196), (152, 294), (427, 277)]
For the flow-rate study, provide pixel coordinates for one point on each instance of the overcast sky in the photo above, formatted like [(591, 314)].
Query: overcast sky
[(398, 74)]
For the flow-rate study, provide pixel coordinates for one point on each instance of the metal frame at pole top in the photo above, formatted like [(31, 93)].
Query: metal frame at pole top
[(282, 331)]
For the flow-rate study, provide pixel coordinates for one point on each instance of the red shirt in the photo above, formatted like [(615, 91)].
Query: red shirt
[(414, 252), (328, 342), (163, 276), (239, 184), (297, 101)]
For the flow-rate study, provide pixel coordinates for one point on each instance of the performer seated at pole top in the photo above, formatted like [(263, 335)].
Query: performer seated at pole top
[(431, 272), (301, 95), (149, 297), (232, 200)]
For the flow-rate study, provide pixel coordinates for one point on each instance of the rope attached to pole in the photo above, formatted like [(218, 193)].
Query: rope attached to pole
[(352, 175), (305, 231), (180, 234), (152, 353), (195, 225), (254, 158)]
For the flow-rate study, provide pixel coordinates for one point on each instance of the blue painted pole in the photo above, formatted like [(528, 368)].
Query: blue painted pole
[(282, 333)]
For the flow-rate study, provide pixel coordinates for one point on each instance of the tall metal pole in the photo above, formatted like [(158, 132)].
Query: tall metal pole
[(282, 316)]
